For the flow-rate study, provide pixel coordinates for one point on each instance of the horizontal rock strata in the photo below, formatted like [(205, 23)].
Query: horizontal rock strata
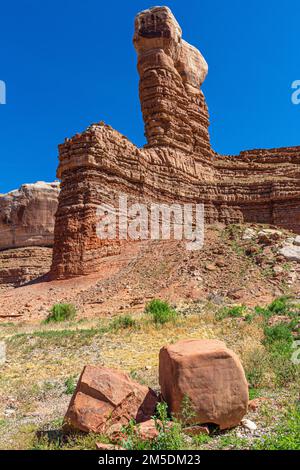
[(177, 165), (27, 215)]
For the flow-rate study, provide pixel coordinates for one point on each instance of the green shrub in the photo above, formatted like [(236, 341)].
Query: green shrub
[(124, 322), (280, 332), (61, 312), (170, 435), (256, 367), (70, 385), (284, 305), (237, 311), (280, 305), (188, 412), (160, 311)]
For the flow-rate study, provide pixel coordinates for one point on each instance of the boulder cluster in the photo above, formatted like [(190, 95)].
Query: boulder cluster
[(204, 372)]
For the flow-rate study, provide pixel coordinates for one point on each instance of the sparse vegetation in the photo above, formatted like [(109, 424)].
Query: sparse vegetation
[(54, 354), (286, 434), (61, 312), (236, 311), (70, 385), (160, 311), (123, 322)]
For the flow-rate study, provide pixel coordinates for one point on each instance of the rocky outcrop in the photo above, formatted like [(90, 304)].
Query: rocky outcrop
[(27, 215), (106, 397), (210, 376), (21, 265), (177, 164)]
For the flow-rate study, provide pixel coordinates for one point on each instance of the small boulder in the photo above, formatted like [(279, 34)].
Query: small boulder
[(297, 240), (147, 430), (101, 446), (248, 424), (210, 375), (104, 397), (291, 252)]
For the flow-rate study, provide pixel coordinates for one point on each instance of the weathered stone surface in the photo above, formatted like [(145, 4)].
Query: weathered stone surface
[(21, 265), (177, 164), (27, 215), (210, 375), (105, 397), (291, 252)]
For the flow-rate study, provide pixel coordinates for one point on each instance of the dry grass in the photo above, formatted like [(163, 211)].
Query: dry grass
[(40, 358)]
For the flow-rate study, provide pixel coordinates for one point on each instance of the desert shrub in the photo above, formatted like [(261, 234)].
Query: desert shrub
[(61, 312), (170, 435), (160, 311), (70, 385), (123, 322), (280, 305), (256, 367), (284, 305), (188, 412), (279, 343), (236, 311), (278, 333)]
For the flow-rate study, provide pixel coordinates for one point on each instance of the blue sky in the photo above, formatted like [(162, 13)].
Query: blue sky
[(67, 64)]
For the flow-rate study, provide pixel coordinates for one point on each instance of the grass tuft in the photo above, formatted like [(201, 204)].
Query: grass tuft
[(61, 312)]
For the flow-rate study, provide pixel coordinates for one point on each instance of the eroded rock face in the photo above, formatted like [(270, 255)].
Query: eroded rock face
[(177, 165), (171, 73), (21, 265), (27, 215), (106, 397), (212, 378)]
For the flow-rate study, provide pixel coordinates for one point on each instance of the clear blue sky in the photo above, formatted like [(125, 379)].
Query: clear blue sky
[(68, 63)]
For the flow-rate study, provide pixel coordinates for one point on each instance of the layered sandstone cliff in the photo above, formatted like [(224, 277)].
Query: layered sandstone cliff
[(27, 215), (177, 164)]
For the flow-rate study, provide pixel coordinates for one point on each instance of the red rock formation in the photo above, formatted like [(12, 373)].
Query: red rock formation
[(27, 215), (177, 164), (21, 265), (106, 397), (212, 378)]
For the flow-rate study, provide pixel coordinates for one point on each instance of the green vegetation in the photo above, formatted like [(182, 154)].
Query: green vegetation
[(160, 311), (236, 311), (170, 434), (61, 312), (124, 322), (70, 385), (286, 435)]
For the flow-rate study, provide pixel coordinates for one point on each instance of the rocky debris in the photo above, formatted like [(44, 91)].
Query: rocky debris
[(210, 375), (196, 430), (249, 234), (101, 446), (105, 397), (147, 431), (176, 165), (27, 215)]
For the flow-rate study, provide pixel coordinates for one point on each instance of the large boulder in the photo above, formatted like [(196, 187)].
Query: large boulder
[(105, 397), (212, 378), (27, 215)]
